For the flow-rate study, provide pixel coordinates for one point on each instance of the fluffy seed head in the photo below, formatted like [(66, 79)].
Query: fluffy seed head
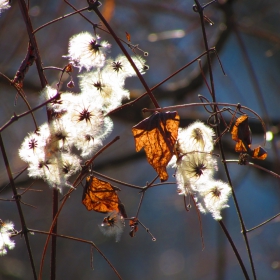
[(86, 51), (113, 225), (6, 230), (213, 197)]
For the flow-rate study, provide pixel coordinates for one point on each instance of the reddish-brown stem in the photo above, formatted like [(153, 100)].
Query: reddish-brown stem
[(257, 88), (68, 3), (78, 240), (142, 80), (256, 166), (234, 249), (200, 223), (116, 181), (24, 169), (140, 203), (150, 184), (147, 230), (22, 95), (159, 84), (53, 243), (200, 10), (176, 107), (75, 184), (17, 117), (264, 223), (33, 41), (58, 19), (143, 191), (17, 199)]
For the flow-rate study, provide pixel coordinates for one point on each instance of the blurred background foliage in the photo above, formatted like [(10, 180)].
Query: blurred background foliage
[(246, 35)]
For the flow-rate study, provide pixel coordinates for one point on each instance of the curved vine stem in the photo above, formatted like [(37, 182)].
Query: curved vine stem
[(22, 95), (79, 240), (200, 9), (256, 166), (127, 56), (17, 199), (234, 249), (75, 184)]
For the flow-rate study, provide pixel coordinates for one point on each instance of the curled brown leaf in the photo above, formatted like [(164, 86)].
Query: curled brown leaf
[(100, 196), (157, 134)]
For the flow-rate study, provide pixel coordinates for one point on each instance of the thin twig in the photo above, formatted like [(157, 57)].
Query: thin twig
[(17, 117), (158, 85), (256, 166), (115, 180), (75, 184), (22, 95), (58, 19), (79, 240), (234, 249), (24, 169), (257, 88), (200, 10), (142, 80), (20, 212), (143, 193), (200, 222), (53, 243), (263, 223), (33, 41)]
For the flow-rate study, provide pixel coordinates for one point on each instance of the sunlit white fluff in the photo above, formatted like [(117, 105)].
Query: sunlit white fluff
[(6, 230), (56, 169), (33, 146), (121, 67), (4, 4), (113, 225), (87, 51), (195, 166), (87, 141), (196, 136), (213, 196), (103, 89)]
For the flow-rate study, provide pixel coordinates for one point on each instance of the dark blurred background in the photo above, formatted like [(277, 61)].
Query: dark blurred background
[(246, 35)]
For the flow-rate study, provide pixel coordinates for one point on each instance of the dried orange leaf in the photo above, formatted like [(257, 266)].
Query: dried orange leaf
[(100, 196), (133, 223), (69, 68), (240, 147), (157, 134), (259, 153), (127, 36), (241, 133), (241, 130)]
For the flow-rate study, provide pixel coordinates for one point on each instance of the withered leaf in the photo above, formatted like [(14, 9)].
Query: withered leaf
[(241, 130), (258, 153), (127, 36), (69, 68), (100, 196), (241, 133), (157, 134), (240, 147), (133, 223)]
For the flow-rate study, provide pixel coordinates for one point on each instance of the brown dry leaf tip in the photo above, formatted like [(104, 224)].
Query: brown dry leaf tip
[(127, 36), (71, 84), (100, 196), (259, 153), (69, 68), (122, 209), (241, 133), (133, 223), (157, 134)]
